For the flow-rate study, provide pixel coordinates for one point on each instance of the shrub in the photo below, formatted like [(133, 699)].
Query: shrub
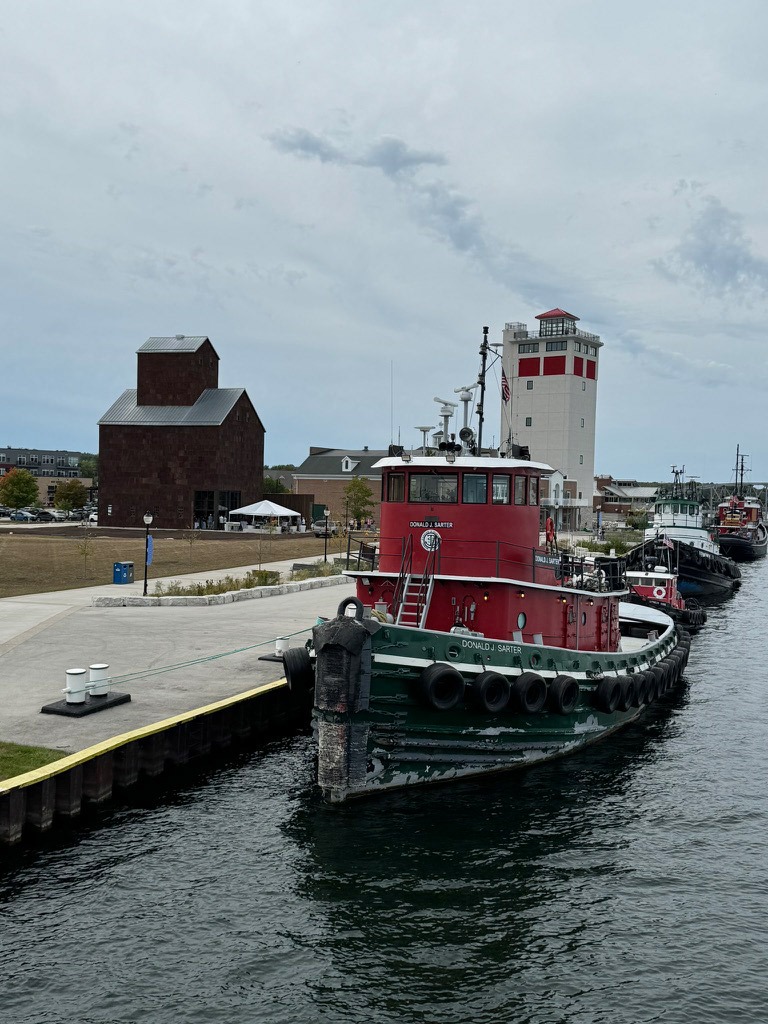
[(253, 578)]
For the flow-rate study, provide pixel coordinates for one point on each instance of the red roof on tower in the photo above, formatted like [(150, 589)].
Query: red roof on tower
[(555, 314)]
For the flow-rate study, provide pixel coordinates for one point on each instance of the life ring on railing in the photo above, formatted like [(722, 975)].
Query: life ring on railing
[(441, 686), (659, 592), (342, 609)]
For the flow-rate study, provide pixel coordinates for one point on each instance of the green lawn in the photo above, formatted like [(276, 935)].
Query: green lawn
[(16, 760)]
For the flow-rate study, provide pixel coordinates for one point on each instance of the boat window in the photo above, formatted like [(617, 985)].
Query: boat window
[(533, 490), (500, 489), (474, 488), (436, 487), (521, 620), (396, 487), (519, 490)]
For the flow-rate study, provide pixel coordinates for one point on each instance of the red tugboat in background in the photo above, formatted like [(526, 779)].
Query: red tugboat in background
[(471, 649), (741, 532)]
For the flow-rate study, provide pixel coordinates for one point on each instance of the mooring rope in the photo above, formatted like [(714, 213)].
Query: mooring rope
[(130, 676)]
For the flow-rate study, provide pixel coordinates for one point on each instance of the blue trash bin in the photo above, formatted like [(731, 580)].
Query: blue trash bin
[(122, 572)]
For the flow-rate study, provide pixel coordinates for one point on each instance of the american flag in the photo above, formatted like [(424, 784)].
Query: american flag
[(504, 386)]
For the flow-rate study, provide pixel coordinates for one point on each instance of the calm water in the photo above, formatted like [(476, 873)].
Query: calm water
[(627, 884)]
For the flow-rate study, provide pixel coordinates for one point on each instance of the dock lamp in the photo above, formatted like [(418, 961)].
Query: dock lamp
[(147, 522), (326, 513)]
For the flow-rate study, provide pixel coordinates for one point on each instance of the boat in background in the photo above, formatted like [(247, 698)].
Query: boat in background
[(741, 532), (656, 586), (679, 539), (473, 649)]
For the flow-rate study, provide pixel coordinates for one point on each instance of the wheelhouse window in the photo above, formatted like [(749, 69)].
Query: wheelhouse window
[(533, 490), (520, 490), (440, 488), (396, 487), (474, 488), (501, 489)]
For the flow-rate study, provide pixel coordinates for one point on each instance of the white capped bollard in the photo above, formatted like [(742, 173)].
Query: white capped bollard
[(76, 686), (281, 646), (98, 683)]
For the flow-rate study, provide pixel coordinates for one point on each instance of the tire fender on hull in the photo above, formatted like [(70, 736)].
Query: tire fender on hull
[(491, 692), (608, 694), (441, 686), (529, 692), (563, 695)]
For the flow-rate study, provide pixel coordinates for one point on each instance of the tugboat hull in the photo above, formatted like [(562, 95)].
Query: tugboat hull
[(397, 706), (744, 549)]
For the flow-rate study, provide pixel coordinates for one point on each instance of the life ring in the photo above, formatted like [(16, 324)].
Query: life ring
[(342, 609), (491, 692), (563, 695), (299, 672), (608, 694), (659, 592), (441, 686), (530, 692)]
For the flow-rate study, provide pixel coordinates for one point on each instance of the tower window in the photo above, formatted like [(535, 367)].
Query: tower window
[(529, 421), (583, 385), (529, 385), (581, 460), (582, 421)]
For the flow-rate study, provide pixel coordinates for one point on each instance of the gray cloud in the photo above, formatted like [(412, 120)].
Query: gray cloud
[(715, 254)]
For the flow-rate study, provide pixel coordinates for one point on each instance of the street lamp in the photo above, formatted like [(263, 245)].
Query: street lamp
[(147, 522), (326, 513)]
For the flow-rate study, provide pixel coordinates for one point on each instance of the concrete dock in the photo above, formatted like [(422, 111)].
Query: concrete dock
[(43, 635)]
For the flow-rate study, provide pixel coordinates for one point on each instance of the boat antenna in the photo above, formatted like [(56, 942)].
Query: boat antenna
[(481, 382)]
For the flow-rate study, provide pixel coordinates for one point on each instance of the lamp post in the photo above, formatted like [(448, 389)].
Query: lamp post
[(147, 522), (326, 513)]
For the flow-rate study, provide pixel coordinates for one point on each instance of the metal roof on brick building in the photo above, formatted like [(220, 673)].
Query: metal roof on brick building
[(179, 343), (210, 410), (330, 462)]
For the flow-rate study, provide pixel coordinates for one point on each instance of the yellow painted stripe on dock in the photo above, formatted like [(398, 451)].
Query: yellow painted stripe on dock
[(48, 771)]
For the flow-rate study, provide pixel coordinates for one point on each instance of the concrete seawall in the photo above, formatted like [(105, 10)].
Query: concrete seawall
[(33, 802), (200, 678)]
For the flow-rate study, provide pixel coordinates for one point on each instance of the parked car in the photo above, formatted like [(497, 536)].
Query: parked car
[(93, 517), (318, 528), (45, 515), (76, 513), (20, 515)]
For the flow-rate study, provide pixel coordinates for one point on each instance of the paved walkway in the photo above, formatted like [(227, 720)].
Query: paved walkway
[(42, 635)]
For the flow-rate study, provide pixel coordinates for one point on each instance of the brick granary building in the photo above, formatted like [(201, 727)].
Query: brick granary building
[(178, 445)]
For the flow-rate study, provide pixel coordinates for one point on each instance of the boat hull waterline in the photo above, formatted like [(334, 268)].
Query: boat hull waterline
[(377, 728)]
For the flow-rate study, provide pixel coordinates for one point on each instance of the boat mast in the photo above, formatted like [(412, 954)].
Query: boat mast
[(481, 382)]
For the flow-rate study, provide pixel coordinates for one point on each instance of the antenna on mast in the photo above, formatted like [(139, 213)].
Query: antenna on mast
[(446, 412), (424, 432)]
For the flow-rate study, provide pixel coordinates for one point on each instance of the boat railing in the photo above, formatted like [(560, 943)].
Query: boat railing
[(499, 559), (406, 567)]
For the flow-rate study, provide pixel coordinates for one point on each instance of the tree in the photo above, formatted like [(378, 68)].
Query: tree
[(89, 467), (358, 499), (69, 495), (273, 486), (18, 488)]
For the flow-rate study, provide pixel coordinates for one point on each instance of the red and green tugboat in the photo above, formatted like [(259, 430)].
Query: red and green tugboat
[(741, 532), (471, 649)]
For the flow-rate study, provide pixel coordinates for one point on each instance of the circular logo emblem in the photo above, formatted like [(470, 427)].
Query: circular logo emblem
[(430, 540)]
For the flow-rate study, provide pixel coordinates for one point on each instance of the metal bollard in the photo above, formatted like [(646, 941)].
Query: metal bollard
[(76, 686), (99, 682)]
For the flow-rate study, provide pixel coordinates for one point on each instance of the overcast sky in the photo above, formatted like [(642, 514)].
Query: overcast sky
[(341, 194)]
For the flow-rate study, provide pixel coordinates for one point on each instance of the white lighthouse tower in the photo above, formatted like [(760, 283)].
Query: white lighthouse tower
[(552, 373)]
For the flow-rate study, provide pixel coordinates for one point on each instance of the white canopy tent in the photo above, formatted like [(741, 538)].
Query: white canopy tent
[(264, 511)]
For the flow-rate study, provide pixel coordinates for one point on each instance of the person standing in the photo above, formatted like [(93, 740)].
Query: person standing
[(550, 535)]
